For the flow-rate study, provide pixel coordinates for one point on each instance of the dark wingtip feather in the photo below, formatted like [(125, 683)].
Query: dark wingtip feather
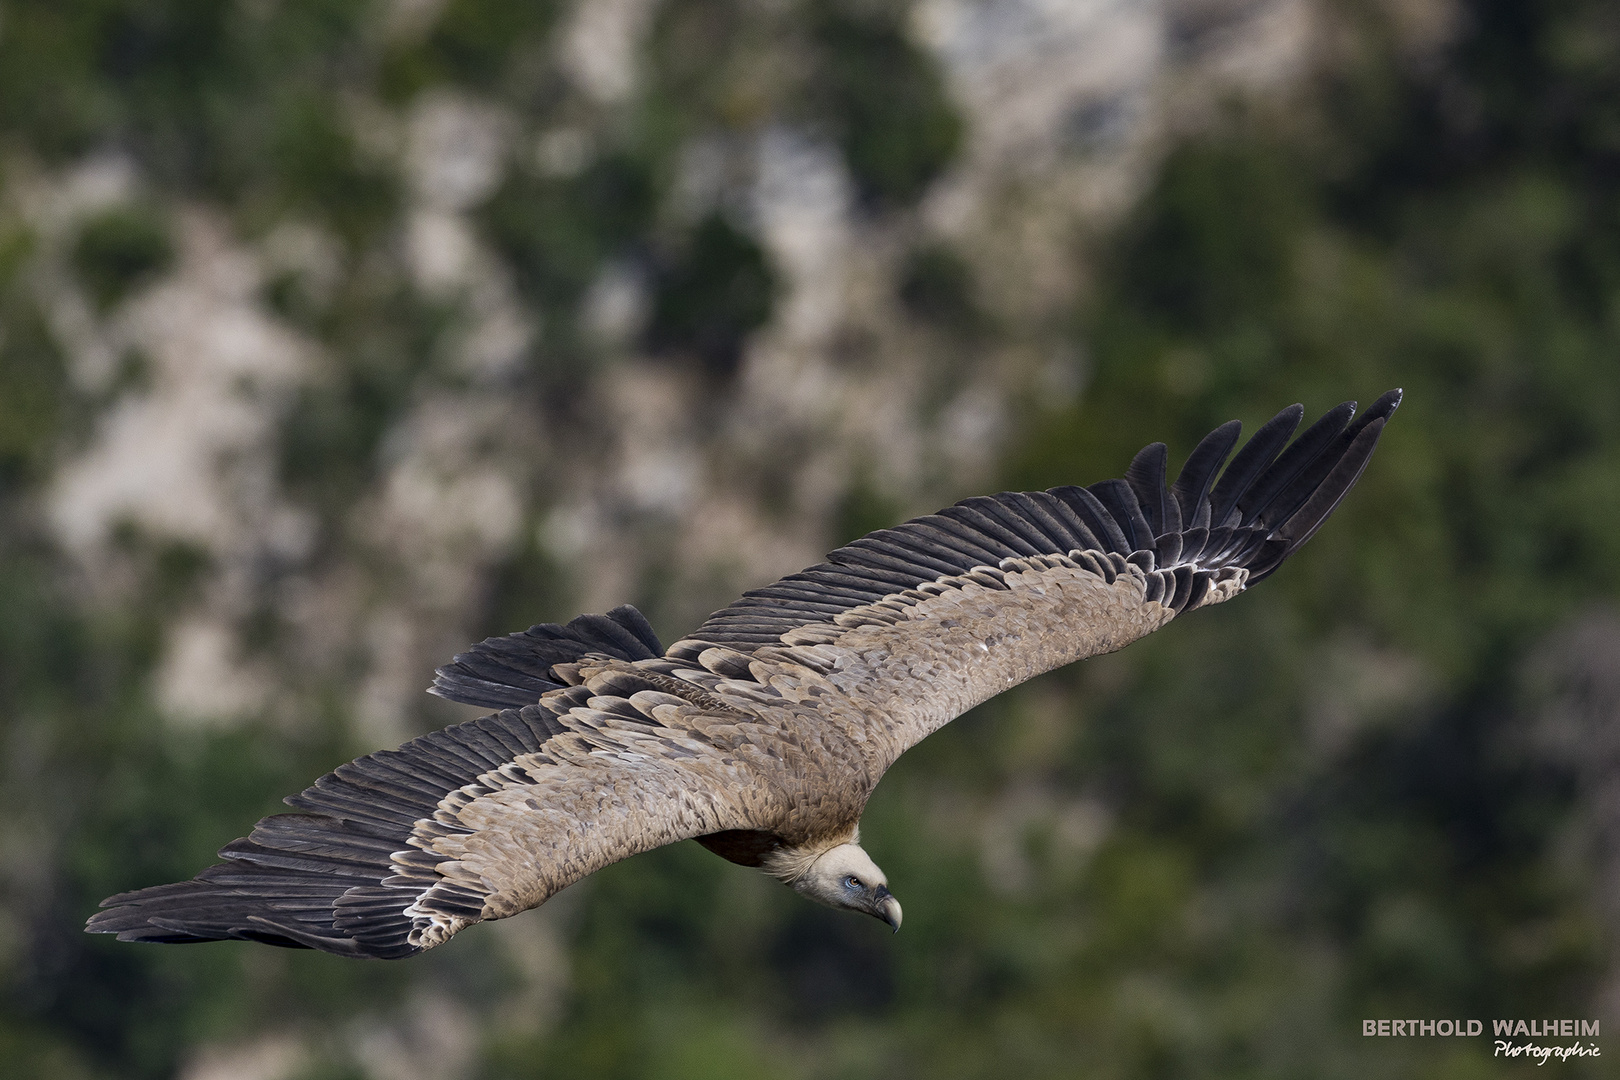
[(1146, 476), (1251, 461), (1304, 522), (1286, 471), (1266, 503), (1382, 409), (1192, 485), (1302, 472), (253, 904), (1297, 512), (453, 683)]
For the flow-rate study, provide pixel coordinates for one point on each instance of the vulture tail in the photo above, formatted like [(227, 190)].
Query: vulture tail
[(513, 671)]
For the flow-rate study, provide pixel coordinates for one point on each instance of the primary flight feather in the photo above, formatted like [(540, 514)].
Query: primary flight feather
[(763, 733)]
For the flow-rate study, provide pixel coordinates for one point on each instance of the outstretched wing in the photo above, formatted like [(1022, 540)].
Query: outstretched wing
[(909, 627), (401, 849)]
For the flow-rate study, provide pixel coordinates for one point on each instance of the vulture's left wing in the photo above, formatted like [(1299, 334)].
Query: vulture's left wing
[(912, 626), (596, 760)]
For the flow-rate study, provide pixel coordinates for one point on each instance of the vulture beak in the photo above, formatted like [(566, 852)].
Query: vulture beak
[(886, 907)]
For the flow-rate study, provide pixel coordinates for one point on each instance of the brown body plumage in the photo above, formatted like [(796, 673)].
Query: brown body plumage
[(763, 734)]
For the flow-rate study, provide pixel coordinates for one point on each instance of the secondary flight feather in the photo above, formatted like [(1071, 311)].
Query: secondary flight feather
[(763, 733)]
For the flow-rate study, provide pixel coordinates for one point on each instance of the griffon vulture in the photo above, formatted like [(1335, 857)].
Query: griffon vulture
[(763, 733)]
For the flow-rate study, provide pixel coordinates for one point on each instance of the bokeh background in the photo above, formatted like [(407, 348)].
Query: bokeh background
[(336, 334)]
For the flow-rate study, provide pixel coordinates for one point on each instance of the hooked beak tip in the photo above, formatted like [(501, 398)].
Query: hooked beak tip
[(890, 912)]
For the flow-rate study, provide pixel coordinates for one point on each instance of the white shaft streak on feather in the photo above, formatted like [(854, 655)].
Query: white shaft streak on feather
[(1228, 583)]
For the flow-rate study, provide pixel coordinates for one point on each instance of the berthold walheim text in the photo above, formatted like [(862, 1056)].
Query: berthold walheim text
[(1546, 1029)]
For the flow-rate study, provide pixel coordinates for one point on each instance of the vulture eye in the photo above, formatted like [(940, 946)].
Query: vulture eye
[(852, 882)]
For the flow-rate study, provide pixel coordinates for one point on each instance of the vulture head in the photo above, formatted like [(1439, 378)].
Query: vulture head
[(846, 877)]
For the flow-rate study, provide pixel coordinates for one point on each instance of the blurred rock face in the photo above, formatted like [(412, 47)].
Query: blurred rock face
[(583, 207), (464, 315), (334, 336)]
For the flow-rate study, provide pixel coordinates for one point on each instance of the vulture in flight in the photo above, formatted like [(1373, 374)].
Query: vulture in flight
[(763, 733)]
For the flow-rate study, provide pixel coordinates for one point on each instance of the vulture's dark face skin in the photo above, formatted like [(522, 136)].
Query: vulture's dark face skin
[(875, 900), (846, 877)]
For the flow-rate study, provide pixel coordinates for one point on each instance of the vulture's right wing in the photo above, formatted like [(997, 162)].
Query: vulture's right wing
[(911, 626)]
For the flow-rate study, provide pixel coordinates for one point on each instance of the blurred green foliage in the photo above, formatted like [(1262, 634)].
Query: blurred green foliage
[(198, 90), (476, 43), (885, 100), (331, 435), (936, 286), (31, 394), (120, 248), (711, 296), (558, 232), (1224, 866)]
